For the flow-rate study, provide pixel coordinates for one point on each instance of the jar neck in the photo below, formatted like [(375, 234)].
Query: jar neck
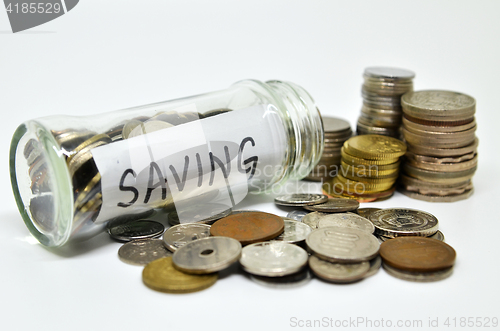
[(303, 125)]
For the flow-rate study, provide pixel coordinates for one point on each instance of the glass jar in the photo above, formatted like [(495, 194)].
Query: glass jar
[(72, 176)]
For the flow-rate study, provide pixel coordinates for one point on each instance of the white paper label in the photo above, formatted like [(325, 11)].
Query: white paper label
[(209, 160)]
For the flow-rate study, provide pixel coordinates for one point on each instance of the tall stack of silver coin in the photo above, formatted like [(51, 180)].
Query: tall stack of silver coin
[(439, 129), (382, 90), (337, 131)]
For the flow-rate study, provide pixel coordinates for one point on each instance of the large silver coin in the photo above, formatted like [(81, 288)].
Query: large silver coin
[(389, 72), (297, 215), (207, 255), (333, 124), (418, 276), (347, 245), (338, 272), (394, 222), (335, 205), (347, 220), (291, 281), (273, 259), (136, 230), (141, 252), (294, 232), (300, 199), (312, 219), (179, 235)]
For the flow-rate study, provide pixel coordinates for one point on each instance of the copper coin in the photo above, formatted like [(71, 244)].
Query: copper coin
[(249, 227), (417, 254)]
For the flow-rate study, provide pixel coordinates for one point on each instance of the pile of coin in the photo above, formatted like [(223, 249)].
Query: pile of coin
[(369, 168), (337, 131), (439, 129), (382, 90)]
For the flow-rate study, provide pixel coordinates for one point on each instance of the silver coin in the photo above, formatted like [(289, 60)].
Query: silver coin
[(148, 127), (129, 127), (273, 259), (394, 222), (335, 205), (141, 252), (438, 236), (207, 255), (333, 124), (347, 245), (418, 276), (291, 281), (388, 72), (181, 234), (297, 215), (347, 220), (338, 272), (244, 211), (313, 218), (366, 212), (300, 199), (201, 213), (294, 232), (375, 265), (136, 230)]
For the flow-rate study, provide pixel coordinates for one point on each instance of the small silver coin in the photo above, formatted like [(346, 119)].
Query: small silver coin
[(348, 220), (438, 236), (300, 199), (181, 234), (366, 212), (335, 205), (422, 277), (294, 232), (297, 215), (333, 124), (394, 222), (273, 259), (389, 72), (338, 272), (207, 255), (313, 218), (375, 265), (136, 230), (346, 245), (141, 252), (291, 281)]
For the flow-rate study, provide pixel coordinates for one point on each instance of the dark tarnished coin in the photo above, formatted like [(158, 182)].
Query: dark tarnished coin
[(335, 205), (294, 232), (417, 254), (338, 272), (366, 212), (136, 230), (141, 252), (160, 275), (395, 222), (249, 227), (207, 255), (423, 277), (273, 259), (179, 235), (300, 199), (347, 245)]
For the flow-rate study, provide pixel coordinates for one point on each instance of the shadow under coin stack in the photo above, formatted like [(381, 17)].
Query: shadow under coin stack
[(337, 131), (439, 128), (382, 90), (369, 168)]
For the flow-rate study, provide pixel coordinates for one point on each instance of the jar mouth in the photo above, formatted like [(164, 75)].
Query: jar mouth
[(41, 184)]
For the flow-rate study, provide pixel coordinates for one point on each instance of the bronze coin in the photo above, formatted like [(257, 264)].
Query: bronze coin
[(249, 227), (417, 254)]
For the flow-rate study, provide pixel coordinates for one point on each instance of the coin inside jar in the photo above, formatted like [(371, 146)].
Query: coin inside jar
[(207, 255), (179, 235), (273, 259), (249, 227), (335, 205)]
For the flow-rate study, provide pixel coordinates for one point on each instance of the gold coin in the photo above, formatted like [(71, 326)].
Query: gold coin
[(368, 171), (355, 161), (86, 143), (375, 147), (360, 187), (160, 275)]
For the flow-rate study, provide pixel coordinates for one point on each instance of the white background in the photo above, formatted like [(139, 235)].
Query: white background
[(107, 55)]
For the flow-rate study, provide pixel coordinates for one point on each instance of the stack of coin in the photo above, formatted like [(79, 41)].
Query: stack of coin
[(337, 131), (369, 168), (382, 90), (439, 128)]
